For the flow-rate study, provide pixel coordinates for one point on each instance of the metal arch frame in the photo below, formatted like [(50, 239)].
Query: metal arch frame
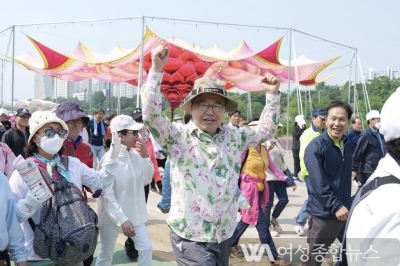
[(143, 18)]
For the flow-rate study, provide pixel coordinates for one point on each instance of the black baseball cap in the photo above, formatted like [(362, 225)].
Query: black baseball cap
[(22, 111), (137, 113), (319, 112)]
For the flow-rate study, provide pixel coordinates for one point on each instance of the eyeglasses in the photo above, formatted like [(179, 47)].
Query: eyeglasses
[(74, 122), (134, 132), (50, 133), (216, 107)]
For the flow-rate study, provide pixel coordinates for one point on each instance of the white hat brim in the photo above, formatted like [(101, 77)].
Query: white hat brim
[(44, 122)]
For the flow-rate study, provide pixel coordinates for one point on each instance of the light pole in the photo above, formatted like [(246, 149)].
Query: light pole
[(2, 79), (90, 96)]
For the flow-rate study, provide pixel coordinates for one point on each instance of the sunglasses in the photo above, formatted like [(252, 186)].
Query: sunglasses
[(50, 133), (134, 132)]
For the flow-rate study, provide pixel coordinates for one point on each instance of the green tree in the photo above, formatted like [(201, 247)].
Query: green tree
[(98, 99), (61, 100)]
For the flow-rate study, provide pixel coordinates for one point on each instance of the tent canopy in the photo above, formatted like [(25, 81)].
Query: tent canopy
[(32, 105), (241, 67)]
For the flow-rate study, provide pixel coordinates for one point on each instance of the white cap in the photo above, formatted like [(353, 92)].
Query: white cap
[(41, 118), (122, 122), (300, 120), (253, 123), (373, 114), (390, 117), (3, 111), (178, 117)]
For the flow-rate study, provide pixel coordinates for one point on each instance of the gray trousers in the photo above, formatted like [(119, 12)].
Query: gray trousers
[(190, 253), (321, 234)]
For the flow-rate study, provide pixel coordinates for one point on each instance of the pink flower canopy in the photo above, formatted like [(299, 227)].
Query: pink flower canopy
[(241, 67)]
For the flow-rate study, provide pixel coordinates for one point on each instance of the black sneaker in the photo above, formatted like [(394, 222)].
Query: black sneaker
[(154, 190), (130, 249)]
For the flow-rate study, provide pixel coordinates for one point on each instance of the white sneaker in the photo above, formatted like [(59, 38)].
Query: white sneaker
[(297, 180), (299, 229), (274, 223), (273, 232)]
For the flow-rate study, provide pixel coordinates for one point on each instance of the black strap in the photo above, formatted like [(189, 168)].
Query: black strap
[(69, 150), (32, 224), (363, 193), (46, 176), (244, 161), (4, 255), (89, 129), (377, 182)]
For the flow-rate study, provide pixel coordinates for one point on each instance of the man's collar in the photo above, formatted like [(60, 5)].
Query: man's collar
[(77, 141), (343, 138), (316, 129), (16, 128), (374, 130)]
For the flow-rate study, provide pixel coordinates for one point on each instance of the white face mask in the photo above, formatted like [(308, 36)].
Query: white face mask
[(51, 146), (378, 125)]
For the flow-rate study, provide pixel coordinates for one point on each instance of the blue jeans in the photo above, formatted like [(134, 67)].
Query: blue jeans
[(278, 188), (301, 218), (262, 229), (166, 180), (98, 152)]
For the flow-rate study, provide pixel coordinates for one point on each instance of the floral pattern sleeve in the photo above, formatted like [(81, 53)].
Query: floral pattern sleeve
[(160, 127), (268, 123)]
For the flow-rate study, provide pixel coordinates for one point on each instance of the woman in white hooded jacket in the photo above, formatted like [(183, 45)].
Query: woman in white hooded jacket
[(123, 205), (47, 134)]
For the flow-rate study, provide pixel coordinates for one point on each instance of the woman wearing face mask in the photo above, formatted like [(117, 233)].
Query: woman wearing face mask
[(47, 134), (123, 205)]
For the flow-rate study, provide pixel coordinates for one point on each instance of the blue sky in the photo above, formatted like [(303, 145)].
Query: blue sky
[(370, 26)]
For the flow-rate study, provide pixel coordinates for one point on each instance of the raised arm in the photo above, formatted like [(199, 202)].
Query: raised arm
[(269, 118), (160, 127), (109, 167)]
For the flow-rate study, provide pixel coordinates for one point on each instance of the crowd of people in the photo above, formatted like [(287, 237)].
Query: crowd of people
[(208, 167)]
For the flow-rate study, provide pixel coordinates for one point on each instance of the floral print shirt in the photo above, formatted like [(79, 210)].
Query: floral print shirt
[(204, 169)]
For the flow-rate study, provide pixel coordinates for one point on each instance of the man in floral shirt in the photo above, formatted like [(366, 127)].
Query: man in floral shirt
[(205, 162)]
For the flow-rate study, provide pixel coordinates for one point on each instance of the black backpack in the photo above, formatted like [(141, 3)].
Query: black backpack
[(362, 194), (67, 232)]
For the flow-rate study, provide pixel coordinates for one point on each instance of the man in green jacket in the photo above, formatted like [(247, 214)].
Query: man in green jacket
[(316, 128)]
